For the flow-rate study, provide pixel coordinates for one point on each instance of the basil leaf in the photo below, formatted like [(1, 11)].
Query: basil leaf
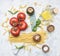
[(38, 22), (34, 29), (19, 47)]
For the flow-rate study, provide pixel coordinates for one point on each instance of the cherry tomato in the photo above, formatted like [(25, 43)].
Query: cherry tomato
[(21, 16), (22, 25), (15, 31), (14, 21)]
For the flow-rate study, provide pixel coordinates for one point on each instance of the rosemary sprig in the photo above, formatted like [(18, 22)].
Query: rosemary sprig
[(19, 47), (12, 12)]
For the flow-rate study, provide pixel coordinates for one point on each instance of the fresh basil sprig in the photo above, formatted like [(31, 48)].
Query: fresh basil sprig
[(34, 29), (12, 12), (38, 22)]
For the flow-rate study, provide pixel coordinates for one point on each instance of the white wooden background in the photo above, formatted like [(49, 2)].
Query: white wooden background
[(54, 38)]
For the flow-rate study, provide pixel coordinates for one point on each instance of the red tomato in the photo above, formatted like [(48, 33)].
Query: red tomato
[(15, 31), (14, 21), (21, 16), (22, 25)]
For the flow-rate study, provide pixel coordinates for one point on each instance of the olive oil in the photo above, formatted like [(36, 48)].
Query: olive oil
[(46, 15)]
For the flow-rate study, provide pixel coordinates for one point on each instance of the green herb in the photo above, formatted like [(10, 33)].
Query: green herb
[(19, 47), (15, 12), (12, 12), (34, 29), (38, 22)]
